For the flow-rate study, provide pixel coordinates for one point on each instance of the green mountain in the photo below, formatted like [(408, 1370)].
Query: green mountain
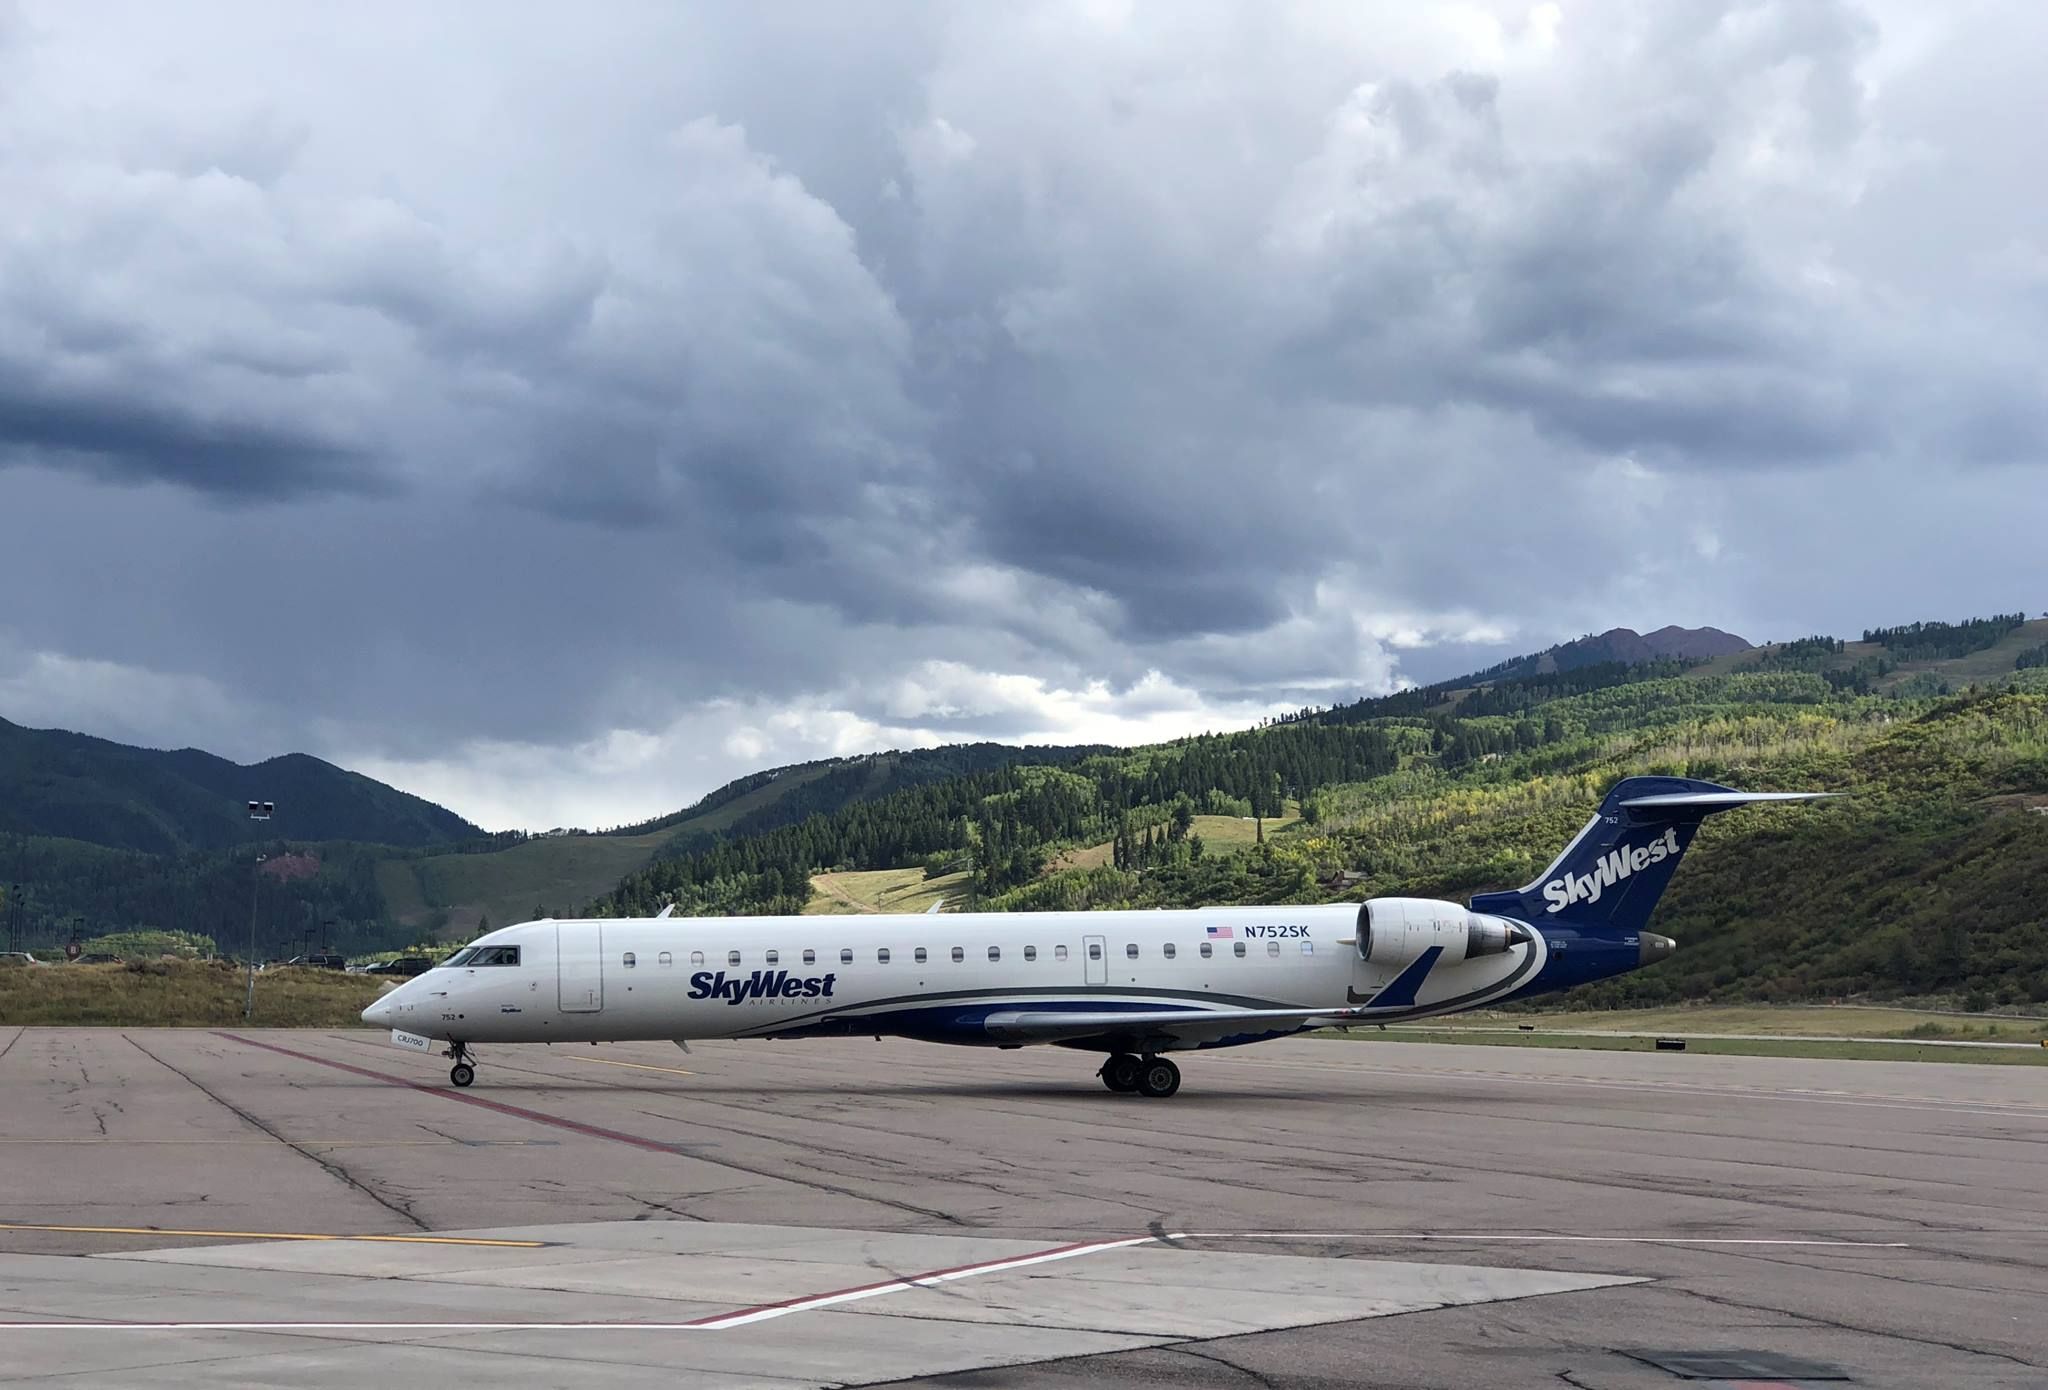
[(71, 786)]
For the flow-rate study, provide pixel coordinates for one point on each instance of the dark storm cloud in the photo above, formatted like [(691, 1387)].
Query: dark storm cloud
[(131, 440), (671, 392)]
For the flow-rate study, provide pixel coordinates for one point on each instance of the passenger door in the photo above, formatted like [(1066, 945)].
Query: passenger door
[(1096, 952), (579, 966)]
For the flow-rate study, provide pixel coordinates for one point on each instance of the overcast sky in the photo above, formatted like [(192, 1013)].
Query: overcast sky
[(560, 410)]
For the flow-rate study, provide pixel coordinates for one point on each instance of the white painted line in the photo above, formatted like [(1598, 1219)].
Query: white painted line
[(922, 1281), (1583, 1240), (717, 1322)]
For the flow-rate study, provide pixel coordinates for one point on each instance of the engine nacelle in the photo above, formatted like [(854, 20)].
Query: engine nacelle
[(1396, 931)]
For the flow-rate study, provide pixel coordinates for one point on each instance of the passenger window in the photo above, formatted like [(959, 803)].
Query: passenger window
[(810, 956), (1167, 949), (732, 957), (1132, 950), (995, 953), (882, 955), (1031, 953), (918, 955), (1208, 950), (846, 955), (1059, 953), (1308, 948), (774, 956), (1094, 950), (629, 960), (1237, 948), (1272, 948), (696, 957), (959, 954), (668, 958)]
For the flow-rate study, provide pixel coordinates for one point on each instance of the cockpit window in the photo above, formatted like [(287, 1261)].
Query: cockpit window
[(461, 957), (495, 955)]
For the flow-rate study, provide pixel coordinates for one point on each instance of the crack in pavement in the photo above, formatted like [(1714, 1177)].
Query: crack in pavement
[(335, 1170)]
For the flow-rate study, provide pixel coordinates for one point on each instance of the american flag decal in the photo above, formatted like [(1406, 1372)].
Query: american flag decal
[(1218, 931)]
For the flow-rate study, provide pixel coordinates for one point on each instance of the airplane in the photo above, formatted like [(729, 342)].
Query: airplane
[(1134, 986)]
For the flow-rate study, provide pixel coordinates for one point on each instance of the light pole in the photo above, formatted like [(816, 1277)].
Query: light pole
[(258, 810), (255, 882)]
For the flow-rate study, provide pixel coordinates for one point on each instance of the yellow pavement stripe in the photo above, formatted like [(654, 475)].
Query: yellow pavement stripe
[(636, 1066), (276, 1235)]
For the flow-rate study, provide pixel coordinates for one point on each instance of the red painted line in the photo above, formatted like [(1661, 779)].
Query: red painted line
[(516, 1111)]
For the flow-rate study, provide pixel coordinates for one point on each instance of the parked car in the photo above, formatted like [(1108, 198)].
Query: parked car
[(407, 966), (320, 962)]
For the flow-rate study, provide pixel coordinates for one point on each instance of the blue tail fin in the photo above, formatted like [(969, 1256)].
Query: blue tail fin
[(1612, 874)]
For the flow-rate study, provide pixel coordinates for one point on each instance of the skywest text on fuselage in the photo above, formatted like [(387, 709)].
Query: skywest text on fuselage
[(761, 984)]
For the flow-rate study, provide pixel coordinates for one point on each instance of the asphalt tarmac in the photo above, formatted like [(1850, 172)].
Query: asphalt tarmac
[(1308, 1213)]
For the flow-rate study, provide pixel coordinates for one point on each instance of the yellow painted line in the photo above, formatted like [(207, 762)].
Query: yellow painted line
[(276, 1235), (636, 1066)]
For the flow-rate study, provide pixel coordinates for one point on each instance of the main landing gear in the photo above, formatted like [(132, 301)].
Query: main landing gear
[(462, 1073), (1125, 1072)]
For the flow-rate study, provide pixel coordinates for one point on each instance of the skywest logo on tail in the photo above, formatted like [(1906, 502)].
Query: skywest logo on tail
[(1611, 869)]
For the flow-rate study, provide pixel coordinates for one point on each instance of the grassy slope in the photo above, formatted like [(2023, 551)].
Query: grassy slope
[(1992, 664), (1220, 835), (881, 890), (195, 994)]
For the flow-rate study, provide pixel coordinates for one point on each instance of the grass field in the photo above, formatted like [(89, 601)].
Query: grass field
[(881, 890), (1724, 1047), (1798, 1020), (181, 994), (1220, 835)]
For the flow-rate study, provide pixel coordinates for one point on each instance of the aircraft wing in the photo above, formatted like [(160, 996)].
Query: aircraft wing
[(1179, 1025)]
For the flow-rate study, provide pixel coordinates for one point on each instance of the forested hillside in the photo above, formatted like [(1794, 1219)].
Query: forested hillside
[(74, 787)]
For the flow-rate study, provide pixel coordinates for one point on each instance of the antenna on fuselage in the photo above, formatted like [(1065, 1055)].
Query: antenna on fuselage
[(666, 909)]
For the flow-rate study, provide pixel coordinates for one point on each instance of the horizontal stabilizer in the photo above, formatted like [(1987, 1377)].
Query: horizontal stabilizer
[(1720, 800)]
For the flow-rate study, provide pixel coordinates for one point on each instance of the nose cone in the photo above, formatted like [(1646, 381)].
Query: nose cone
[(1654, 948), (380, 1013)]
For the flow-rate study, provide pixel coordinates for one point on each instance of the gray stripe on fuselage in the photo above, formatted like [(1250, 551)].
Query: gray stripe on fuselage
[(1099, 993)]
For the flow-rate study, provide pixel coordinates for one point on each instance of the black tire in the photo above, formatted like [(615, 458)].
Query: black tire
[(1120, 1073), (1158, 1078), (462, 1073)]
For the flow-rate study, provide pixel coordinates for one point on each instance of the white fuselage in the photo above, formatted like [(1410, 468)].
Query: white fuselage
[(933, 976)]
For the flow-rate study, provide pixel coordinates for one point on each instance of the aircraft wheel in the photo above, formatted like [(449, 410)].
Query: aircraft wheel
[(1121, 1072), (1158, 1078), (462, 1073)]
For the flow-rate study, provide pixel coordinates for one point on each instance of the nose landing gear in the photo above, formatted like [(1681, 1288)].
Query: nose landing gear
[(462, 1073), (1125, 1072)]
